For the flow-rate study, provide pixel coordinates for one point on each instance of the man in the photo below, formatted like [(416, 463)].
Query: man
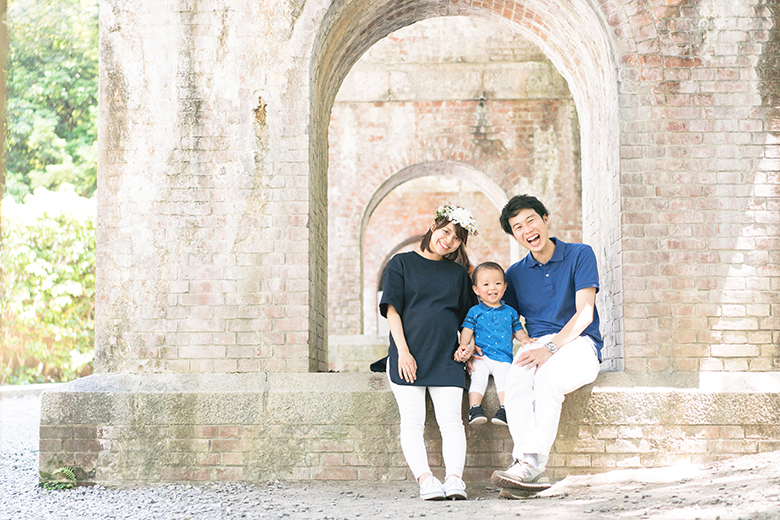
[(554, 289)]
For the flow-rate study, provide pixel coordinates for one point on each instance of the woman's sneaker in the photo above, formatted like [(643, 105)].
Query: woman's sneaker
[(455, 488), (477, 415), (500, 417), (432, 489)]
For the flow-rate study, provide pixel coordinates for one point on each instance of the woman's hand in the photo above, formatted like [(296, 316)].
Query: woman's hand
[(463, 353), (407, 366)]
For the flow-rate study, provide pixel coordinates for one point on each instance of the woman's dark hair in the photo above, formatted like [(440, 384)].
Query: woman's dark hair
[(458, 255), (486, 266), (517, 204)]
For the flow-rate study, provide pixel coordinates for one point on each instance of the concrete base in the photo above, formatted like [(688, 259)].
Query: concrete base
[(131, 428)]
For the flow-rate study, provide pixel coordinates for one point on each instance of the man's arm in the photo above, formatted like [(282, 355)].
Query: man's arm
[(585, 302)]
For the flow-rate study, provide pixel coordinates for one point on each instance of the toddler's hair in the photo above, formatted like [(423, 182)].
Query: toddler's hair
[(486, 266)]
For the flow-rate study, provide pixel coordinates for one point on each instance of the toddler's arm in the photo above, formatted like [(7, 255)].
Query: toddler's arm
[(465, 349), (523, 337)]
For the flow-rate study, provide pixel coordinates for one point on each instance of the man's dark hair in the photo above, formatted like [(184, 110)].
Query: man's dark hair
[(486, 266), (517, 204)]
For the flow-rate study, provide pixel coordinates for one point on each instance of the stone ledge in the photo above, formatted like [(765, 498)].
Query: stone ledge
[(133, 428)]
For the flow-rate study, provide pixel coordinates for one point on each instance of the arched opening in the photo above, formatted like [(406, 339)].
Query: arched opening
[(586, 65)]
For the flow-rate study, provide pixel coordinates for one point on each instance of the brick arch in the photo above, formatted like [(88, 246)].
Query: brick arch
[(574, 38), (494, 192), (373, 266)]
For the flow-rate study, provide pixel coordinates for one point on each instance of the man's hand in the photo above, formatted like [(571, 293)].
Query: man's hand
[(475, 355), (533, 358)]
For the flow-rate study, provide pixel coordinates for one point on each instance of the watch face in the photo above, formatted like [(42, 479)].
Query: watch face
[(552, 347)]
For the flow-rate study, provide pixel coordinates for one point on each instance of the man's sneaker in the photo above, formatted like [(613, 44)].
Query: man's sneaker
[(432, 489), (516, 494), (500, 417), (521, 475), (455, 488), (477, 415)]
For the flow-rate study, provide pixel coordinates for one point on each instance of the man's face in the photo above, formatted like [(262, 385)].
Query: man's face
[(530, 230)]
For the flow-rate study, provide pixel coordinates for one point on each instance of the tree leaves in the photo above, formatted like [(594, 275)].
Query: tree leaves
[(47, 287), (52, 80)]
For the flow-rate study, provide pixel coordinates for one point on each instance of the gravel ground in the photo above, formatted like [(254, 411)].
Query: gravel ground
[(744, 488)]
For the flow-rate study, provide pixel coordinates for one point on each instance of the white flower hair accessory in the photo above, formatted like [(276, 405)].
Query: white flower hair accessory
[(460, 216)]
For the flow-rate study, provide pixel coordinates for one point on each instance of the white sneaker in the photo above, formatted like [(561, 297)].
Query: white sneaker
[(522, 475), (455, 488), (432, 489)]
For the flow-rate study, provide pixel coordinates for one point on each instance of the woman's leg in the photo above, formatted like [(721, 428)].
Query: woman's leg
[(447, 403), (411, 407)]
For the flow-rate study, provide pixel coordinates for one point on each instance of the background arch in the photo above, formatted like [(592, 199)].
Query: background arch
[(575, 39)]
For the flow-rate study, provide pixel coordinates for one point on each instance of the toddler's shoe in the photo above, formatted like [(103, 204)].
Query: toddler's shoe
[(455, 488), (477, 415), (500, 417), (432, 489)]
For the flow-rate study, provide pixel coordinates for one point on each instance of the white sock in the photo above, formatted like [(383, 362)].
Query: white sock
[(530, 458)]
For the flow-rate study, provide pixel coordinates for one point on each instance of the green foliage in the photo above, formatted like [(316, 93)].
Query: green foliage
[(51, 113), (52, 482), (47, 287)]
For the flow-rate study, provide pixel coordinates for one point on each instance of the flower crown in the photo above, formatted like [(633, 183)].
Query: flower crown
[(460, 216)]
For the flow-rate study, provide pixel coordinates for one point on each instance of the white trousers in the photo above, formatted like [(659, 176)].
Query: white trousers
[(533, 398), (447, 403), (485, 367)]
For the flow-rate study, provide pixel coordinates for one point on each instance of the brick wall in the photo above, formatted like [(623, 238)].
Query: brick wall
[(699, 185)]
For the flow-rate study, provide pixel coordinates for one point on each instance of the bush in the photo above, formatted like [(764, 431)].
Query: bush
[(47, 287)]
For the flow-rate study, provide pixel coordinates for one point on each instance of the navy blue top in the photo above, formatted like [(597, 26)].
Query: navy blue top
[(544, 294), (432, 297), (493, 329)]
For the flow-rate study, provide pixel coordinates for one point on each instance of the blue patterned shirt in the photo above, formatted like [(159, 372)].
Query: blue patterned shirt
[(493, 329)]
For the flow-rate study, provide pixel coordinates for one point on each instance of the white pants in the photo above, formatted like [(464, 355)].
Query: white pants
[(447, 403), (485, 367), (533, 398)]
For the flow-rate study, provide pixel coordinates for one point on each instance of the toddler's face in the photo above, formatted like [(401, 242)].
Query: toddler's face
[(490, 286)]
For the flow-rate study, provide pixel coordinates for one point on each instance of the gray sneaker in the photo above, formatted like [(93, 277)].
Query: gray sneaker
[(521, 475)]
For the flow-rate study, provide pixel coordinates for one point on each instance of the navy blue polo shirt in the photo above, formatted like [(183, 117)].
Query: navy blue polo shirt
[(493, 329), (544, 294)]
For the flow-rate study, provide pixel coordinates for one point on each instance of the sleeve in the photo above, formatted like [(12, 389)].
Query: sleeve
[(471, 320), (516, 325), (586, 272), (392, 287)]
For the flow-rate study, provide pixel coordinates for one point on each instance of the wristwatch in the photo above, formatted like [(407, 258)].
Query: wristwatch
[(552, 348)]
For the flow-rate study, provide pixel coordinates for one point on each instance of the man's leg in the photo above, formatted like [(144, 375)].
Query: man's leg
[(533, 404), (573, 366)]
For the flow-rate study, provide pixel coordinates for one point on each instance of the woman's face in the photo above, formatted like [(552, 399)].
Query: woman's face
[(444, 240)]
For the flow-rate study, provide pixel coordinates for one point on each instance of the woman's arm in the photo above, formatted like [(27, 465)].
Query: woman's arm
[(407, 366)]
